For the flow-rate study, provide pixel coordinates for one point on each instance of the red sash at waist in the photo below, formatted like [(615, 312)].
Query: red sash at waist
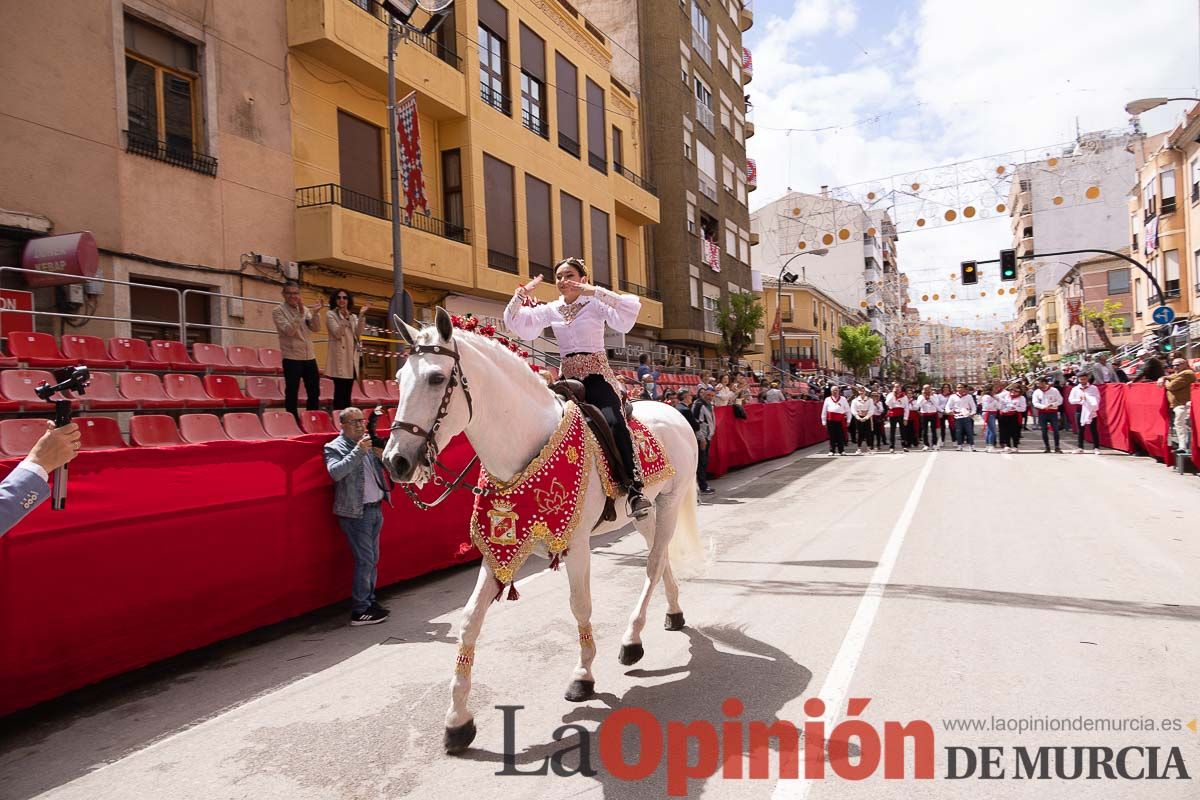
[(895, 412), (835, 416), (928, 414)]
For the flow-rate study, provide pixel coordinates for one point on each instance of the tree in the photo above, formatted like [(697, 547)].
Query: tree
[(1106, 319), (738, 318), (860, 347), (993, 371), (1031, 356)]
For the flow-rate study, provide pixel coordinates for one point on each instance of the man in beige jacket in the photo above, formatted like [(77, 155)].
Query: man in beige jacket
[(296, 324)]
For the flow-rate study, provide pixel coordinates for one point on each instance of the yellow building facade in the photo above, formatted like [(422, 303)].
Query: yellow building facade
[(507, 95), (809, 323)]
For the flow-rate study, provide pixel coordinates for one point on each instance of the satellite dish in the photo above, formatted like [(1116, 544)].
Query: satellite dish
[(435, 6)]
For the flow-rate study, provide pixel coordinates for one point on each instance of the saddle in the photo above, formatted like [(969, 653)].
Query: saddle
[(570, 389)]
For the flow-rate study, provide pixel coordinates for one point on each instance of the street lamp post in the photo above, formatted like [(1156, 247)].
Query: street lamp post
[(790, 277), (1136, 107)]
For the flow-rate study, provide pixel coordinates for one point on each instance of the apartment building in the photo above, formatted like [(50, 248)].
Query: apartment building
[(692, 74), (959, 354), (162, 128), (1074, 200), (531, 149), (1087, 286), (807, 334)]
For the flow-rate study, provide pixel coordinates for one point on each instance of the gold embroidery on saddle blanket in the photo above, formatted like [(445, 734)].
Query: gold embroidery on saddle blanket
[(545, 501)]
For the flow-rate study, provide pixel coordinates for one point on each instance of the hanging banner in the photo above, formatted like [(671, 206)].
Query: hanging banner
[(408, 131), (1074, 308)]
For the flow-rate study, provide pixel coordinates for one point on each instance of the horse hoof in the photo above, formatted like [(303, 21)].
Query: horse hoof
[(674, 622), (459, 739), (631, 654), (580, 691)]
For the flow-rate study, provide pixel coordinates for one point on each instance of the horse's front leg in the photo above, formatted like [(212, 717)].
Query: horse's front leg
[(579, 572), (460, 725)]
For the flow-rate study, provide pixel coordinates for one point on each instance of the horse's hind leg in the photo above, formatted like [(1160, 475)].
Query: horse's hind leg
[(674, 620), (579, 572), (460, 725), (666, 509)]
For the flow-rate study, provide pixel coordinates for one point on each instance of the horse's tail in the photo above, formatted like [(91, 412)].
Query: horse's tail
[(690, 558)]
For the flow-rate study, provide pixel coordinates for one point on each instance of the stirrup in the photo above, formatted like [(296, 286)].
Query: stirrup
[(639, 506)]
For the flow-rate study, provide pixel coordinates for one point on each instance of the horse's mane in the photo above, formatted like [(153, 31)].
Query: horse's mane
[(520, 373)]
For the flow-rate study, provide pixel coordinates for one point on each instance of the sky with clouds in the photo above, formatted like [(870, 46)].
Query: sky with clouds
[(913, 84)]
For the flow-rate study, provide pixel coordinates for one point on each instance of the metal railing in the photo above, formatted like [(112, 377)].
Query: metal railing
[(187, 158), (705, 115), (707, 186), (641, 291), (597, 162), (568, 144), (634, 178), (502, 261), (326, 194), (410, 34), (535, 123), (496, 99), (701, 46)]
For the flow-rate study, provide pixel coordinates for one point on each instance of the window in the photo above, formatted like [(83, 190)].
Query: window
[(601, 264), (731, 241), (360, 165), (703, 93), (452, 193), (570, 211), (785, 307), (1149, 202), (493, 56), (1195, 180), (687, 144), (744, 240), (722, 48), (741, 187), (1196, 268), (501, 223), (540, 228), (1118, 281), (162, 84), (533, 83), (597, 144), (707, 165), (1167, 177), (155, 305), (700, 35), (727, 175), (1171, 271), (566, 78), (711, 305), (622, 254), (694, 291), (618, 149), (691, 219)]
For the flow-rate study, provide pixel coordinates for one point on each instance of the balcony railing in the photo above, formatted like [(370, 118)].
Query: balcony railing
[(701, 46), (640, 291), (705, 115), (502, 261), (708, 186), (497, 100), (634, 178), (330, 194), (535, 123), (170, 154), (597, 162), (568, 144), (410, 34)]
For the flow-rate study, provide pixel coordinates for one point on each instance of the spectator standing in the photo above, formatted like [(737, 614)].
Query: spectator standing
[(27, 486), (724, 395), (1046, 403), (345, 345), (360, 488), (774, 394), (646, 377), (682, 402), (706, 427), (1102, 373), (1179, 398), (296, 324), (1087, 397), (961, 406)]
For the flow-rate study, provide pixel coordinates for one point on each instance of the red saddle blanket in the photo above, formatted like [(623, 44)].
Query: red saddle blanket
[(544, 502)]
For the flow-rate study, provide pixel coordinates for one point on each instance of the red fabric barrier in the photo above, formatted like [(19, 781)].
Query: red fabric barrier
[(1148, 420), (1114, 417), (770, 430), (1195, 424), (164, 550)]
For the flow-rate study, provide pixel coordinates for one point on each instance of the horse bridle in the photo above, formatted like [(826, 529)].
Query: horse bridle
[(428, 436)]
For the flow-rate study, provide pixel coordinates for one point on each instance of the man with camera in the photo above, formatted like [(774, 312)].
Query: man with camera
[(27, 486), (360, 488)]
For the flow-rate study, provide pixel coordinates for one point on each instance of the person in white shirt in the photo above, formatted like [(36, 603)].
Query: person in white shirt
[(1046, 402), (877, 417), (961, 406), (1012, 406), (578, 318), (944, 419), (927, 408), (862, 420), (1087, 397), (835, 413), (898, 405), (990, 406)]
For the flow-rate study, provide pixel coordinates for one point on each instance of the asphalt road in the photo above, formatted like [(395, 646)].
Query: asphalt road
[(941, 586)]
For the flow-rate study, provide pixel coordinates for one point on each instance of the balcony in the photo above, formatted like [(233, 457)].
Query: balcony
[(535, 124), (705, 115), (870, 275), (871, 249), (636, 198), (751, 174), (746, 15), (701, 46), (353, 41), (749, 128), (747, 66), (351, 231), (497, 100), (567, 143), (754, 238), (707, 186)]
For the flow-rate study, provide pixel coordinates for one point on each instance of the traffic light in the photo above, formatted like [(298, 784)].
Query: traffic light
[(1008, 265), (1165, 341), (969, 273)]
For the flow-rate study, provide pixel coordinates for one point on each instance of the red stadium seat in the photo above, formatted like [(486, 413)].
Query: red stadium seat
[(370, 395), (267, 390), (37, 349), (134, 352), (199, 428), (102, 394), (245, 359), (392, 389), (188, 392), (18, 436), (374, 388), (270, 357), (225, 387), (172, 355), (213, 357), (146, 390), (280, 424), (316, 422), (384, 423), (244, 426), (153, 430), (18, 385), (100, 433), (89, 350), (8, 361), (326, 391)]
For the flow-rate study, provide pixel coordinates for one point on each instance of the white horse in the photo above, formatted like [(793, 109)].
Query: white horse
[(508, 415)]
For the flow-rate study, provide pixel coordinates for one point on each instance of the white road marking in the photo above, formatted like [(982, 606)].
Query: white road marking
[(837, 682)]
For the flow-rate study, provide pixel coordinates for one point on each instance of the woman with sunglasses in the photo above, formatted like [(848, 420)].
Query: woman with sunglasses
[(578, 318), (345, 345)]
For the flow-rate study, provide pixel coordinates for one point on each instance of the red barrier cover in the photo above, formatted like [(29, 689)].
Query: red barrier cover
[(1195, 424), (1149, 420), (770, 430), (1114, 419), (163, 550)]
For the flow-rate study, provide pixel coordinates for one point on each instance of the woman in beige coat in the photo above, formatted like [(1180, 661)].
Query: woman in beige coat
[(345, 344)]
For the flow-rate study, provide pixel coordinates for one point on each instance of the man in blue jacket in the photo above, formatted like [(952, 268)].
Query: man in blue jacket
[(27, 487), (360, 488)]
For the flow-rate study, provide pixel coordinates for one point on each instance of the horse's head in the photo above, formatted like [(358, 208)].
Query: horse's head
[(433, 405)]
